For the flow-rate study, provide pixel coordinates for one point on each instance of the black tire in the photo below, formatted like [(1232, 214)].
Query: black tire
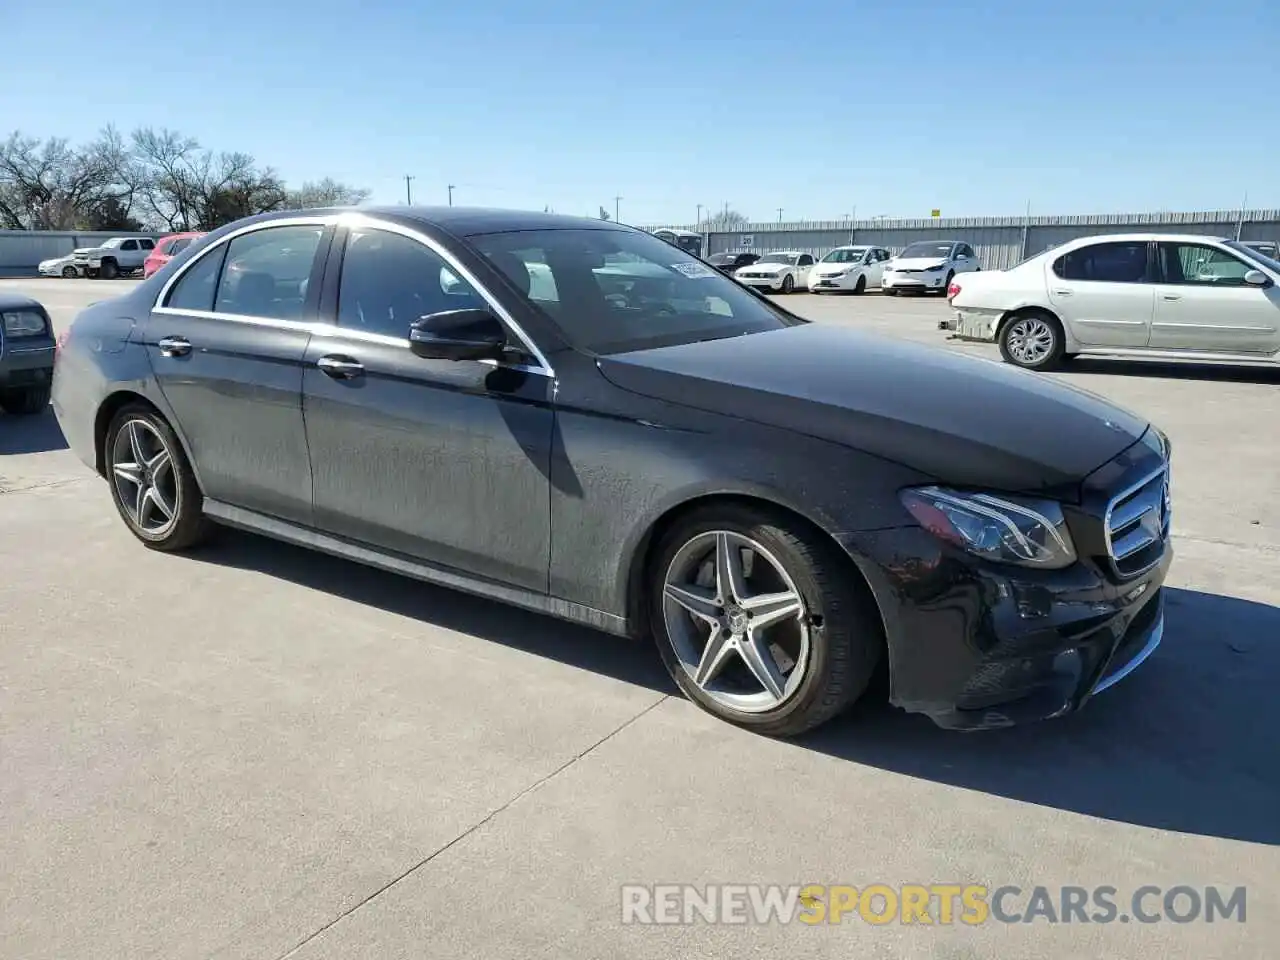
[(889, 291), (861, 286), (189, 526), (1013, 327), (846, 638), (947, 285), (70, 273), (25, 401), (788, 283), (109, 270)]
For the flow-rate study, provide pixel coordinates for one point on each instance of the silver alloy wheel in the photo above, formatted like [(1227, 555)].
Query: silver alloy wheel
[(1030, 340), (736, 621), (145, 481)]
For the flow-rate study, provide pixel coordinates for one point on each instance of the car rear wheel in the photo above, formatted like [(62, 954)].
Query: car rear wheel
[(24, 401), (1032, 340), (152, 484), (758, 621), (788, 283)]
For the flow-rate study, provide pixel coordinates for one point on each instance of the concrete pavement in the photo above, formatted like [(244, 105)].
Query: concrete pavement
[(259, 752)]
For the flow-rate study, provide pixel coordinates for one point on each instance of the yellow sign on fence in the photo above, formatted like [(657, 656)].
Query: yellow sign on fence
[(935, 213)]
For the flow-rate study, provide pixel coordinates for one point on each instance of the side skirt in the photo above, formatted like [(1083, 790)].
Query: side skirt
[(254, 522)]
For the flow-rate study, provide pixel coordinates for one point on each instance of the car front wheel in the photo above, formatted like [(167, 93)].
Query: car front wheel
[(152, 484), (788, 283), (1032, 340), (758, 621)]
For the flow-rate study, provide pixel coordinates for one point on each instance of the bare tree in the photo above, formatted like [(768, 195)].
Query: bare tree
[(325, 193), (50, 185), (725, 220)]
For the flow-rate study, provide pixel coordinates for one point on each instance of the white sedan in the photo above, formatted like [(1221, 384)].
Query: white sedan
[(780, 272), (849, 268), (1146, 294), (928, 267), (66, 266)]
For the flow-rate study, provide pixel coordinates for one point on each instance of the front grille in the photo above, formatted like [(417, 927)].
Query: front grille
[(1137, 524)]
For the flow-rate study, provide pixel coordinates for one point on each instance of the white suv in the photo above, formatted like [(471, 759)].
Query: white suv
[(928, 267), (1128, 295)]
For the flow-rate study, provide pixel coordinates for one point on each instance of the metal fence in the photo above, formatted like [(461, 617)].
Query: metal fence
[(999, 241)]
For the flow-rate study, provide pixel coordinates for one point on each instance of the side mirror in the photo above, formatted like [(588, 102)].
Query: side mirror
[(1256, 278), (470, 334)]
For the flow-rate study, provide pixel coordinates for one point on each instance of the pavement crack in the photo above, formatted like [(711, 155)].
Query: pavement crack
[(38, 484), (473, 828)]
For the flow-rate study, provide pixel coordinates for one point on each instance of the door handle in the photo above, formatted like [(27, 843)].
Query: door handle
[(1171, 296), (174, 346), (340, 368), (1062, 293)]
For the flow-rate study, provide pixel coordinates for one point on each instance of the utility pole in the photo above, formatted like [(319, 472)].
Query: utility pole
[(408, 189), (698, 222), (1240, 220), (451, 194), (779, 214), (617, 207), (853, 220)]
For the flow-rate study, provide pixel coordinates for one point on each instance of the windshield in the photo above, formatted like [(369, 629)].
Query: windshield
[(613, 291), (722, 258), (112, 244), (848, 255), (1252, 253), (779, 258), (926, 251)]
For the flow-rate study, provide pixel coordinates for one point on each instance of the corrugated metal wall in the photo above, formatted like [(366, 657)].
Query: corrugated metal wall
[(22, 250), (1000, 241)]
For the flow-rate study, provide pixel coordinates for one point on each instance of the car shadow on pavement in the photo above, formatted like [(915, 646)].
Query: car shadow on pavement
[(631, 661), (1179, 370), (1187, 743), (31, 434)]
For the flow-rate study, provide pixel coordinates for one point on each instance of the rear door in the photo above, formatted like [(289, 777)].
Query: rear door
[(1203, 303), (1105, 292), (226, 344), (445, 461)]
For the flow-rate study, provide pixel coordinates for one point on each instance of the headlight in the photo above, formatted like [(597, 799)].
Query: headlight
[(23, 323), (1029, 533)]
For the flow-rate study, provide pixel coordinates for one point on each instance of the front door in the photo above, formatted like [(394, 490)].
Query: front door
[(444, 461), (1104, 292), (1204, 304), (226, 347)]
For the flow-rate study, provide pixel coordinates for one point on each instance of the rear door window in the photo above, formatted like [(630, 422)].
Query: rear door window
[(267, 271), (1123, 261)]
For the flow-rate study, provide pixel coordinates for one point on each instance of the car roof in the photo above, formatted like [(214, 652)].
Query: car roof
[(16, 301), (459, 221), (1146, 237)]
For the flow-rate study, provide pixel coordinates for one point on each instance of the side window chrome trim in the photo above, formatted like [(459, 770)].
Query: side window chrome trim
[(159, 306), (543, 368), (359, 220)]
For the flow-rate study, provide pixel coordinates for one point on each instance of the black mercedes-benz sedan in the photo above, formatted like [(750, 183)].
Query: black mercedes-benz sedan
[(573, 416)]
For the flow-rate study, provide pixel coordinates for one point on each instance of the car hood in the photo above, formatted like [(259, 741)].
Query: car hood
[(960, 420), (918, 263)]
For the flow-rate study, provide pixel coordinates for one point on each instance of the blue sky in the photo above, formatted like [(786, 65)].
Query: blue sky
[(890, 107)]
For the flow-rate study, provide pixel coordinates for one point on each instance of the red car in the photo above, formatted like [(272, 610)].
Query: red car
[(166, 249)]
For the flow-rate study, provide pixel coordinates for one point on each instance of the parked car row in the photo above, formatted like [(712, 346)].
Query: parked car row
[(1145, 293), (925, 267), (118, 257)]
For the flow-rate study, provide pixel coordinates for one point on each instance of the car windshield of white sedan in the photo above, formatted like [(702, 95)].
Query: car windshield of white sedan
[(790, 258), (614, 291), (848, 255), (922, 251)]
